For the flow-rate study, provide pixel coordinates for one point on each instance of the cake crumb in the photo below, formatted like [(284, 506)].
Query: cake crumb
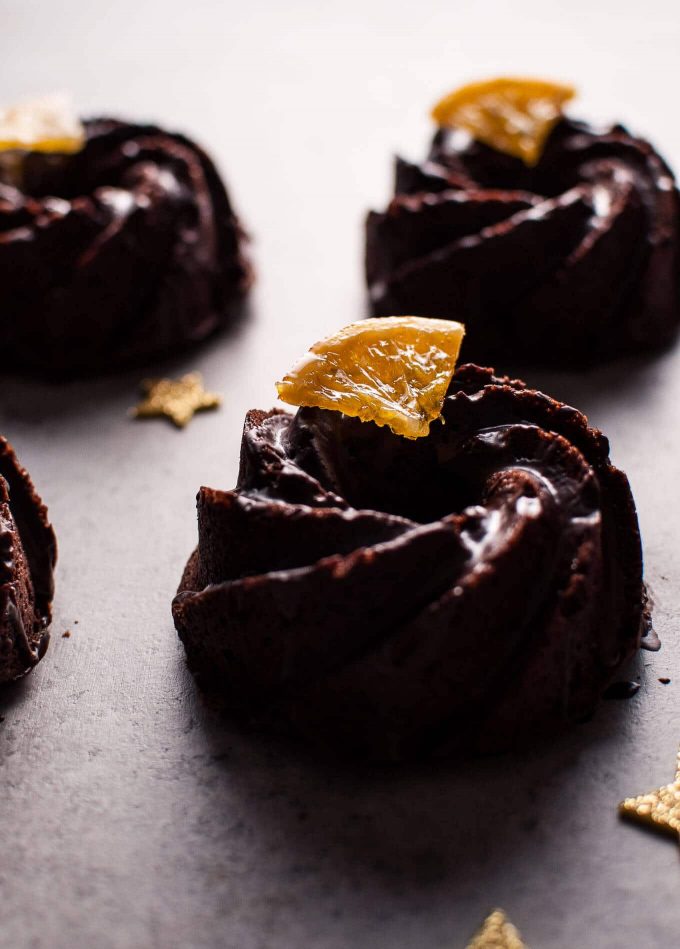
[(66, 634), (664, 680)]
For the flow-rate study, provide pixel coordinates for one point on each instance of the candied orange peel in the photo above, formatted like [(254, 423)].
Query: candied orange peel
[(514, 116), (393, 371), (49, 124)]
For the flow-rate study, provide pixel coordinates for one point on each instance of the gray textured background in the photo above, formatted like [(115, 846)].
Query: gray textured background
[(129, 815)]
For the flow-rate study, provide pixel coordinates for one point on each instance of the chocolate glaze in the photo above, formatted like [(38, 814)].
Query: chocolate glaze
[(570, 262), (122, 252), (396, 598), (28, 553)]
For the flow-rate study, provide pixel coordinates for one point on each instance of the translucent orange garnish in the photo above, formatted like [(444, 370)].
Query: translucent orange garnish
[(41, 125), (392, 371), (514, 116)]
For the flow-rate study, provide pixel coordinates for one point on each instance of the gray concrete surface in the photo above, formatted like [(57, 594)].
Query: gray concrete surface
[(130, 816)]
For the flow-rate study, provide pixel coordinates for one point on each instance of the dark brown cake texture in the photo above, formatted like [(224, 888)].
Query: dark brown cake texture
[(570, 262), (395, 598), (123, 251), (28, 553)]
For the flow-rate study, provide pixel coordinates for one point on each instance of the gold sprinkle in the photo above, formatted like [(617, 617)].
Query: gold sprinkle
[(497, 932), (176, 399), (659, 809)]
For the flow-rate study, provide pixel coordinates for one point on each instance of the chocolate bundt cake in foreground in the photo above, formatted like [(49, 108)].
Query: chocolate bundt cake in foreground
[(567, 262), (28, 552), (395, 598), (122, 251)]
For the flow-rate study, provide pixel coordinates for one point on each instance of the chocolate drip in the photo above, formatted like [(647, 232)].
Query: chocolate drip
[(397, 598), (570, 262), (621, 690)]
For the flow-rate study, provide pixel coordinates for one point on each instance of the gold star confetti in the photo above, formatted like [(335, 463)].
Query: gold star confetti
[(176, 399), (659, 809), (497, 932)]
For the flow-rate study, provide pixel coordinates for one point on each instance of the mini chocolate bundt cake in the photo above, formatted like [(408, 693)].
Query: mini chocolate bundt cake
[(121, 252), (568, 262), (28, 553), (394, 598)]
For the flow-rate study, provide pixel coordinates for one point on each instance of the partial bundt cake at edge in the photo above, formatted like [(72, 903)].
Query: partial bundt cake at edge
[(28, 553)]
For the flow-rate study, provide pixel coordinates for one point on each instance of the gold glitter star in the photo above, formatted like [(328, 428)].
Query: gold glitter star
[(659, 809), (176, 399), (497, 932)]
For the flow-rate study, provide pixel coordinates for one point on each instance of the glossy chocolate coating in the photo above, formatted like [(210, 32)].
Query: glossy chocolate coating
[(570, 262), (398, 598), (122, 252), (28, 553)]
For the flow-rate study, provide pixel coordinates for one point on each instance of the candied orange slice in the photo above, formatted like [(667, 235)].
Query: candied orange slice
[(392, 371), (41, 125), (514, 116)]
